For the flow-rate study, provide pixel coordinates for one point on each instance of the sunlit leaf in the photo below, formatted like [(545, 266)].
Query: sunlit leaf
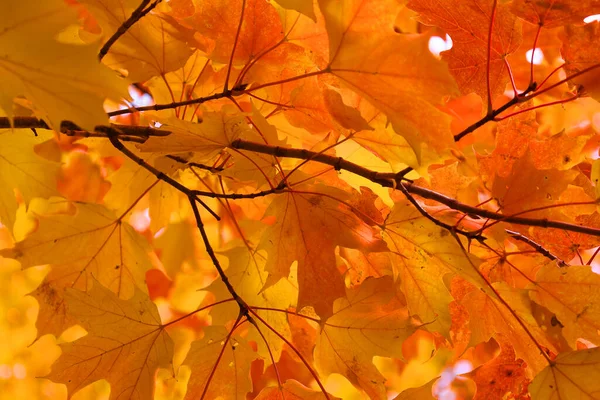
[(125, 343), (63, 81)]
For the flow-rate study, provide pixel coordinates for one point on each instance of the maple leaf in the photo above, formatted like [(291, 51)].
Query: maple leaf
[(314, 220), (153, 46), (80, 243), (570, 294), (372, 68), (550, 14), (206, 139), (512, 141), (422, 254), (63, 81), (368, 321), (247, 275), (259, 30), (501, 375), (24, 171), (220, 366), (493, 318), (467, 23), (580, 52), (571, 375), (528, 187), (292, 390), (125, 343)]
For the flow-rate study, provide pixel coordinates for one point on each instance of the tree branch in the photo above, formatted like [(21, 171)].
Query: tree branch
[(393, 180), (538, 247), (71, 129), (175, 104)]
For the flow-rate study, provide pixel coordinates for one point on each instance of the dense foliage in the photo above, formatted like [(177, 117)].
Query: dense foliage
[(232, 199)]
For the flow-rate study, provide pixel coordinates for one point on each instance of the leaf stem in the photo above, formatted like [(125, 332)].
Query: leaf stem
[(533, 49), (306, 364), (235, 42), (489, 58)]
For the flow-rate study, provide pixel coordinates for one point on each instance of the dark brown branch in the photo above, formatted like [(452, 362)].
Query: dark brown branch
[(470, 235), (144, 8), (211, 253), (538, 247), (193, 200), (235, 196), (494, 113), (159, 174), (71, 129), (392, 180)]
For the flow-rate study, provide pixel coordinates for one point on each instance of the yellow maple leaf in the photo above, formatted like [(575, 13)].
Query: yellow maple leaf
[(314, 219), (154, 45), (292, 390), (422, 253), (80, 242), (125, 343), (247, 275), (490, 317), (369, 321), (22, 170), (63, 81), (220, 366), (573, 375), (572, 294), (206, 139)]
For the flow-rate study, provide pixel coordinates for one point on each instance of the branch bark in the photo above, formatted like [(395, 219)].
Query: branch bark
[(393, 180)]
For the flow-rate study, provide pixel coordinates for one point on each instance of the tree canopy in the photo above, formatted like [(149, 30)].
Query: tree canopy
[(295, 199)]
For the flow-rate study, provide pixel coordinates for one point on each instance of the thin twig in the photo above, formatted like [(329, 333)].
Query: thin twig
[(175, 104), (490, 116), (211, 253), (137, 14), (159, 174), (538, 247), (470, 235), (195, 164)]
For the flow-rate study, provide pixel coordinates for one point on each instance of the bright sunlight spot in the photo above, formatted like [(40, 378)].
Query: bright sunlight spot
[(438, 44), (5, 371), (140, 220), (591, 18), (19, 371), (538, 56), (140, 99), (443, 387)]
